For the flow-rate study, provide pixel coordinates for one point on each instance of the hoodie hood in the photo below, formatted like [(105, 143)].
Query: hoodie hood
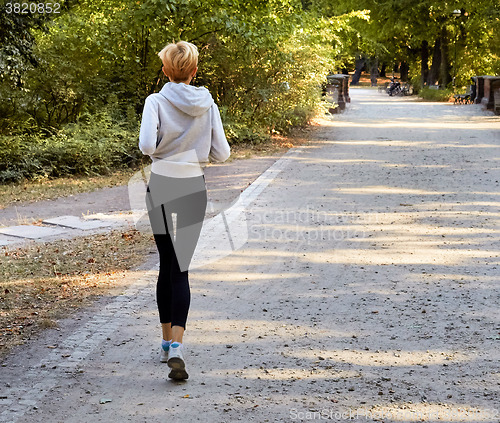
[(191, 100)]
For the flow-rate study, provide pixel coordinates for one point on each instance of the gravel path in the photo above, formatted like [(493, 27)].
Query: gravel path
[(367, 291)]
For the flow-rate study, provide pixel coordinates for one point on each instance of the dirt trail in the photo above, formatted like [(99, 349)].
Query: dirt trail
[(367, 291)]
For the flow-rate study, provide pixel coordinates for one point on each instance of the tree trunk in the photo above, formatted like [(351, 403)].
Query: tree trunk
[(382, 70), (360, 64), (424, 66), (374, 71), (404, 70), (436, 64), (444, 69)]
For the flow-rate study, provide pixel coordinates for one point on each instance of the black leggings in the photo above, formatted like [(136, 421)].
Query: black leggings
[(187, 199)]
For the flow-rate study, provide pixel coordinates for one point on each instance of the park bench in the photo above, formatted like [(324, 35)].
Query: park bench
[(463, 98), (496, 104)]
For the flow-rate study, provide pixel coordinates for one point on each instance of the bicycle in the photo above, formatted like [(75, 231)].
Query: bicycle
[(407, 89)]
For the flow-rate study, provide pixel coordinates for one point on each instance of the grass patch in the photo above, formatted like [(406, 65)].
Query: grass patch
[(435, 95), (43, 282)]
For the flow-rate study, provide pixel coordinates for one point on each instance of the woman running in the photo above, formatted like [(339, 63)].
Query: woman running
[(181, 130)]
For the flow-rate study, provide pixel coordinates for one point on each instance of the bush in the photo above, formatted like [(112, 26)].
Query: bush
[(435, 95), (96, 144), (77, 108)]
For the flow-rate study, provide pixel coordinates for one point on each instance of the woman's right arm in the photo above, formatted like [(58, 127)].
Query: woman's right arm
[(148, 134)]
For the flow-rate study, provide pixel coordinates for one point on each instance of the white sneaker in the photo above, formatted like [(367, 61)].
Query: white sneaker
[(164, 352), (163, 356), (176, 362)]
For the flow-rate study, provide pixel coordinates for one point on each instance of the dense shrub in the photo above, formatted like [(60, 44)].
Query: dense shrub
[(95, 144), (435, 95)]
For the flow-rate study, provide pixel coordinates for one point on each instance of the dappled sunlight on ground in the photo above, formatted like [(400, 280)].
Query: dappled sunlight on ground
[(367, 289), (385, 358)]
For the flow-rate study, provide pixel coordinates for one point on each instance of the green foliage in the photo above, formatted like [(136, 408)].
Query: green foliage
[(430, 94), (396, 32), (16, 45), (75, 108), (96, 144), (263, 62)]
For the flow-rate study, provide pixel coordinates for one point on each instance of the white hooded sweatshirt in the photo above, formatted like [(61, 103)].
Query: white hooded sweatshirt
[(181, 128)]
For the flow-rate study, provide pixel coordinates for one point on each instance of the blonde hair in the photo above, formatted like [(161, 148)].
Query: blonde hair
[(180, 60)]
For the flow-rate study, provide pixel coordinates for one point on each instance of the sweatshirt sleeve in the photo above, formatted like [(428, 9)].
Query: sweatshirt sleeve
[(148, 135), (219, 150)]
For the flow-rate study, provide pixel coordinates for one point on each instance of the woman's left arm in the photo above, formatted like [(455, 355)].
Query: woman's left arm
[(219, 150)]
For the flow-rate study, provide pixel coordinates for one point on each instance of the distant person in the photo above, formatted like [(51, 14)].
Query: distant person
[(394, 87), (181, 129)]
